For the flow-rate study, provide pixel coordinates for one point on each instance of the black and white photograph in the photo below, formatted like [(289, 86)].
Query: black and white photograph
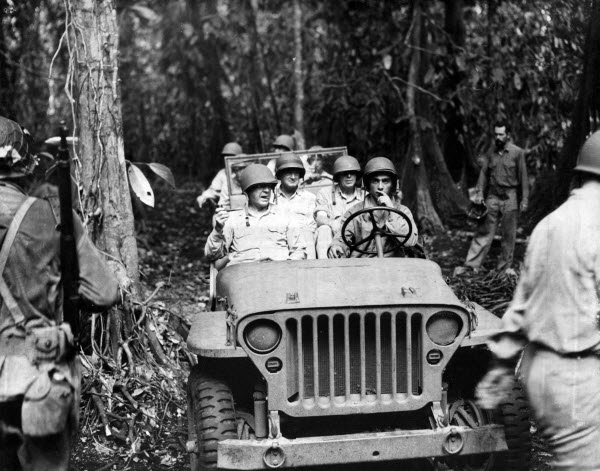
[(313, 235)]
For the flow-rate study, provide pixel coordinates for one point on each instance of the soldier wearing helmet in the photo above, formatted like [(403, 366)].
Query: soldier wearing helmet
[(554, 318), (332, 203), (39, 378), (283, 143), (219, 182), (298, 203), (380, 179), (260, 231), (503, 178)]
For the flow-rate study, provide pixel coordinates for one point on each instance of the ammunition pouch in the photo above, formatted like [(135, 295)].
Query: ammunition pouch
[(39, 343), (38, 364)]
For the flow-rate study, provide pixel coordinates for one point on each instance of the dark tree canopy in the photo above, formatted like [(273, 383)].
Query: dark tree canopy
[(197, 74)]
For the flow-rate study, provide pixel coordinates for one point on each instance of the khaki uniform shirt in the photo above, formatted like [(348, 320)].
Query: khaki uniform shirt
[(300, 207), (247, 237), (504, 170), (557, 300), (325, 202), (32, 270), (360, 228)]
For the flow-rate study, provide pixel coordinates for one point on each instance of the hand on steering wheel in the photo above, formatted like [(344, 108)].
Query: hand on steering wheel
[(376, 231)]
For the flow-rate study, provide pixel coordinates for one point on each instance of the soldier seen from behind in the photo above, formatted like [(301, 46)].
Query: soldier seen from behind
[(39, 368), (259, 231), (504, 188), (381, 181), (298, 203), (555, 317), (334, 201)]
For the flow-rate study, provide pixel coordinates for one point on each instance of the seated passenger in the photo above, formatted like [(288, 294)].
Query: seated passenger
[(259, 231), (316, 172), (333, 202), (236, 170), (219, 182), (380, 179), (298, 203)]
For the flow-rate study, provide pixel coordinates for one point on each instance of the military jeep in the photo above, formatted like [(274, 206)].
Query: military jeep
[(359, 361)]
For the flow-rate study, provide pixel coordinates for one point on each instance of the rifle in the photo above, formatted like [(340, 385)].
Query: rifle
[(68, 249)]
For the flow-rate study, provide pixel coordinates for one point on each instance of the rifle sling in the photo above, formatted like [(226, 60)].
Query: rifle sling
[(7, 297)]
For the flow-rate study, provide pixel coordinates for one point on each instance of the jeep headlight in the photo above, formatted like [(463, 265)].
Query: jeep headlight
[(443, 327), (262, 335)]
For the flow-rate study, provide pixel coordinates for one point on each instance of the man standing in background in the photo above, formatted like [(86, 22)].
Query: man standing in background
[(502, 177)]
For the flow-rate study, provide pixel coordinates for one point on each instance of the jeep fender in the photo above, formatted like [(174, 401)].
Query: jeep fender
[(208, 337)]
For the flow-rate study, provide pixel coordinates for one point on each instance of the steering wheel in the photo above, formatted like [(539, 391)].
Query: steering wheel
[(376, 232)]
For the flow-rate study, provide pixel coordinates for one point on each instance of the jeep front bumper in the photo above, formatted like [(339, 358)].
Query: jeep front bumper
[(359, 448)]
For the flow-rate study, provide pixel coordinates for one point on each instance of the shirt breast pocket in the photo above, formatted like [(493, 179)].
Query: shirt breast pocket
[(275, 228), (511, 164), (242, 232)]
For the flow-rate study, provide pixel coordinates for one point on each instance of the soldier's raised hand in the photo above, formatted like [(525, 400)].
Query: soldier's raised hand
[(384, 200)]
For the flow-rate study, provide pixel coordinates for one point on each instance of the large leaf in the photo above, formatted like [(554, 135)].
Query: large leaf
[(163, 172), (140, 185), (145, 12)]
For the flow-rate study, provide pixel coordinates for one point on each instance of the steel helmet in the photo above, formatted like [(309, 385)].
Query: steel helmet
[(284, 140), (588, 159), (316, 148), (288, 161), (477, 211), (256, 174), (231, 148), (15, 158), (346, 163), (379, 165)]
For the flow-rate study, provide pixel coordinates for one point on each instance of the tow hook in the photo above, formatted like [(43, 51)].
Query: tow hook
[(454, 442), (274, 457)]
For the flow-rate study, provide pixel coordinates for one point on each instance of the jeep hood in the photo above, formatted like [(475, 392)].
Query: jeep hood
[(317, 284)]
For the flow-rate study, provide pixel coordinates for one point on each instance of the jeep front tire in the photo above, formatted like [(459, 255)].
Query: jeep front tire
[(514, 415), (211, 410)]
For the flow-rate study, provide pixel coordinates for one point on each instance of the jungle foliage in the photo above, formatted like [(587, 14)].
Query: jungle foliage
[(195, 74)]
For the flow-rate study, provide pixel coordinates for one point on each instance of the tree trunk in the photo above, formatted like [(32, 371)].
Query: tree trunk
[(268, 75), (7, 91), (457, 148), (553, 189), (254, 82), (428, 186), (106, 201), (298, 73), (220, 133)]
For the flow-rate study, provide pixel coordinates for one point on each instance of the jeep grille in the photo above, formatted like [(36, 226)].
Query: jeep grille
[(354, 357)]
